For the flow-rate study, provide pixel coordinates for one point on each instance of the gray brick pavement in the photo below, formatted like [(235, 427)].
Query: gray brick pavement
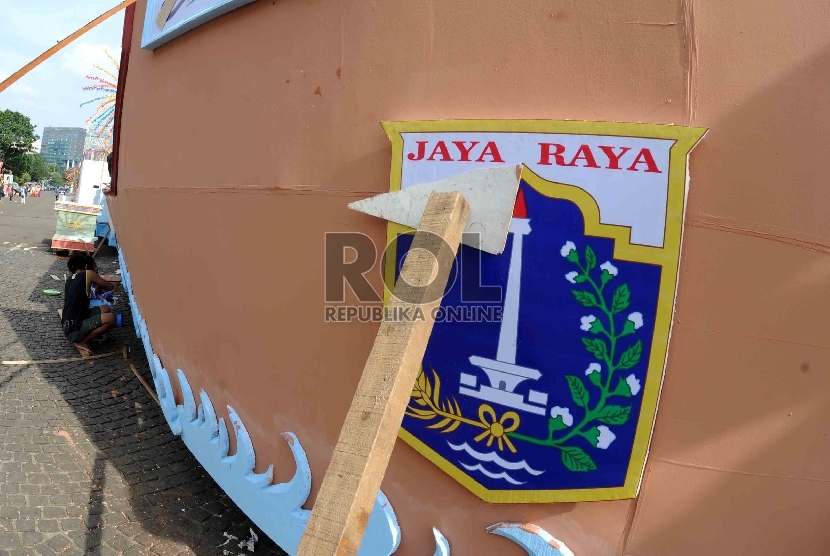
[(88, 464)]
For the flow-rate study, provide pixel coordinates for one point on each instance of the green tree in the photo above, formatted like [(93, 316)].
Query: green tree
[(25, 177), (30, 163), (55, 174), (36, 166), (16, 134)]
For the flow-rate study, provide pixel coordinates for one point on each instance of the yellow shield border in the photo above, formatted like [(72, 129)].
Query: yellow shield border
[(667, 257)]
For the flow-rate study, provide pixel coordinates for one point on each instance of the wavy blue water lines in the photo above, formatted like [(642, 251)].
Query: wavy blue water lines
[(494, 457), (503, 475)]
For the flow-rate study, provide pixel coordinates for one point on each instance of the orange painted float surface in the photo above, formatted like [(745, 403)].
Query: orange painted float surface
[(243, 141)]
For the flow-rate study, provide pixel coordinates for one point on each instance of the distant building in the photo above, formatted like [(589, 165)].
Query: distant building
[(63, 145), (36, 146)]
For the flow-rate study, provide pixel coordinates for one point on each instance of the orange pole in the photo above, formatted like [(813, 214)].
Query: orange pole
[(55, 49)]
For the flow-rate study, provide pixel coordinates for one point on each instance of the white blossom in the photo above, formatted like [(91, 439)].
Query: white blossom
[(563, 412), (593, 368), (633, 384), (567, 248), (606, 437), (607, 266), (586, 322), (571, 277), (637, 319)]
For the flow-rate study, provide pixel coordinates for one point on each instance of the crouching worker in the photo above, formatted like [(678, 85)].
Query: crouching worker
[(82, 324), (97, 295)]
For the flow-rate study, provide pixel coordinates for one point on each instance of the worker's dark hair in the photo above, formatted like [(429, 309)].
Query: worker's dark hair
[(76, 262), (90, 262)]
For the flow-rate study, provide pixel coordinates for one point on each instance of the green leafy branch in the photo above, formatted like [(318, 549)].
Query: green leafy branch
[(603, 345)]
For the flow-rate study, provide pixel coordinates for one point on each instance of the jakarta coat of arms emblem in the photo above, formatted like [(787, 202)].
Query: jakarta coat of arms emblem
[(541, 378)]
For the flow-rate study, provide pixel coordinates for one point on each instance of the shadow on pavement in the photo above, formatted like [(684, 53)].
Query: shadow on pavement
[(139, 489)]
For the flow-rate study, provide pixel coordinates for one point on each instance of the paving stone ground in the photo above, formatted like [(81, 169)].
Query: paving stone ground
[(88, 464)]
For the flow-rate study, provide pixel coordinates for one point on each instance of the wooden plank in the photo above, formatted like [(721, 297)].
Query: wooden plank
[(490, 192), (347, 494), (122, 352), (61, 44), (146, 386), (103, 239)]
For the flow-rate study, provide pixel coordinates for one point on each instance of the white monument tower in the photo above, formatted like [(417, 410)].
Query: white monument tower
[(503, 373)]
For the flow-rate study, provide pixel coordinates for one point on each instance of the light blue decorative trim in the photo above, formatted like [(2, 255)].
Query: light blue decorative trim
[(276, 509), (151, 40), (535, 540), (442, 546)]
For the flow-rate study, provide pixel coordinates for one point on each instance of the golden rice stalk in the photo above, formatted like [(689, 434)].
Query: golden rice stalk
[(427, 394)]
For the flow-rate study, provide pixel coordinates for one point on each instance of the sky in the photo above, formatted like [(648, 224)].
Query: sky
[(51, 94)]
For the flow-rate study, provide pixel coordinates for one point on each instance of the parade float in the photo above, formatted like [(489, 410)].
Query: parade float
[(84, 216), (534, 414), (75, 226)]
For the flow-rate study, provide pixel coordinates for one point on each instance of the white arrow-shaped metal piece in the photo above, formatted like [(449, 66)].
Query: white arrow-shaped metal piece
[(490, 192)]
